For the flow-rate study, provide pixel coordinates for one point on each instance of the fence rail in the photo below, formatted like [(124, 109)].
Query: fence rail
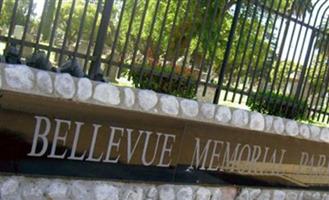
[(271, 55)]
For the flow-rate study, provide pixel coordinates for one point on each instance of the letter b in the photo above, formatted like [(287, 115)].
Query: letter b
[(38, 135)]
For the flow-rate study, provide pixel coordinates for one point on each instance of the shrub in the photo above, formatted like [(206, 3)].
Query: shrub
[(278, 105), (176, 87)]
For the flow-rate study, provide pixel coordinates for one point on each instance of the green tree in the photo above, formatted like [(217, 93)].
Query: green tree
[(21, 12), (196, 27), (74, 27)]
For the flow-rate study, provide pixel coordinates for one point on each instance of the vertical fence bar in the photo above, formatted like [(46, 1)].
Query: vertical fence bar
[(214, 50), (26, 27), (264, 66), (41, 26), (137, 42), (299, 94), (250, 65), (131, 21), (323, 65), (280, 55), (203, 60), (101, 36), (324, 89), (12, 22), (237, 50), (308, 59), (157, 50), (170, 36), (67, 31), (116, 37), (83, 17), (268, 77), (322, 45), (1, 3), (227, 51), (148, 42), (308, 53), (177, 44), (278, 102), (91, 38), (290, 71), (54, 27), (203, 27), (260, 50), (244, 52)]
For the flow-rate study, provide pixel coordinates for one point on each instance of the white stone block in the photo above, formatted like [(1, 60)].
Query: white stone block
[(229, 193), (166, 193), (223, 114), (85, 89), (185, 193), (278, 195), (268, 122), (291, 195), (57, 190), (316, 196), (189, 108), (292, 128), (254, 193), (278, 125), (169, 105), (217, 195), (257, 121), (325, 197), (43, 184), (129, 100), (106, 192), (152, 193), (10, 189), (80, 190), (307, 195), (65, 86), (32, 191), (304, 131), (240, 118), (315, 132), (203, 194), (19, 77), (136, 194), (243, 195), (265, 195), (44, 82), (107, 94), (324, 135), (147, 99), (208, 110)]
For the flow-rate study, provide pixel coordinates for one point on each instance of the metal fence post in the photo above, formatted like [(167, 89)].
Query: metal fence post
[(228, 51), (298, 94), (1, 2), (100, 40)]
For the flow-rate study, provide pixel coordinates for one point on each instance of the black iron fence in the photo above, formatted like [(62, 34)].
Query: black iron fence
[(271, 55)]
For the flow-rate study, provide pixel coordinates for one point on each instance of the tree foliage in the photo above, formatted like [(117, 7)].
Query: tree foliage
[(21, 12)]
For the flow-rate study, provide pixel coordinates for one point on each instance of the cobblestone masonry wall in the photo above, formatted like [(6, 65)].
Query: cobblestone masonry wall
[(24, 79), (23, 188)]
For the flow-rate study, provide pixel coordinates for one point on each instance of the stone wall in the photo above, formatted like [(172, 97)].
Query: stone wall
[(26, 80), (25, 188)]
